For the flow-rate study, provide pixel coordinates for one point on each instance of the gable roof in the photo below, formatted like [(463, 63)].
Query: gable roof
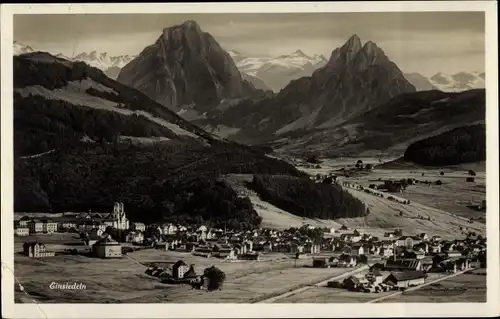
[(407, 275)]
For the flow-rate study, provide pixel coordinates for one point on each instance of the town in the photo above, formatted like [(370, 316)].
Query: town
[(390, 264)]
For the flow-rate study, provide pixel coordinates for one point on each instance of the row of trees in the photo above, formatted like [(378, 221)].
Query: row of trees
[(306, 198)]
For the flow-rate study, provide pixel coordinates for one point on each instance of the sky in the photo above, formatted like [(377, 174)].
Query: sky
[(424, 42)]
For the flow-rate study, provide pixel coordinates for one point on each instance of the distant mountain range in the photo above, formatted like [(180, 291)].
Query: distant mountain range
[(111, 65), (277, 72), (321, 104), (457, 82)]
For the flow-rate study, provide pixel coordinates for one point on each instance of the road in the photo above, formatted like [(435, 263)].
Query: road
[(318, 284), (418, 287)]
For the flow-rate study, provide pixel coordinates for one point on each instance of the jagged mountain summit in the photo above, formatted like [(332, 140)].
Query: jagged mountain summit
[(186, 67), (355, 79), (277, 72)]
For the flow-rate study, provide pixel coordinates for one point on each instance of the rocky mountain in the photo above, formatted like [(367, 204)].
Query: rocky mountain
[(356, 79), (458, 82), (389, 128), (277, 72), (420, 82), (83, 141), (186, 67)]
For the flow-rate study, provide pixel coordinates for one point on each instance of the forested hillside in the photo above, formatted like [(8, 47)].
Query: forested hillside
[(461, 145), (304, 197)]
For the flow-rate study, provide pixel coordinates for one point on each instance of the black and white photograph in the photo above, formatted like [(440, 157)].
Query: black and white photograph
[(184, 156)]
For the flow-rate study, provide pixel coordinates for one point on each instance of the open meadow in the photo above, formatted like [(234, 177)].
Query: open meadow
[(468, 287), (123, 280)]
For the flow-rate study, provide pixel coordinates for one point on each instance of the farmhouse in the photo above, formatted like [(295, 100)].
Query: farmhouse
[(138, 227), (179, 269), (135, 237), (357, 250), (36, 250), (22, 231), (49, 226), (374, 277), (107, 247), (403, 264), (35, 226), (406, 279)]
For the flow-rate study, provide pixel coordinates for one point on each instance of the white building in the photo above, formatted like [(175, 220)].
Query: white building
[(118, 218), (22, 231)]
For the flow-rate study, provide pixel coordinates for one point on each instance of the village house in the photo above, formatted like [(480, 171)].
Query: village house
[(403, 264), (423, 236), (421, 247), (169, 229), (35, 226), (408, 241), (138, 227), (135, 237), (455, 264), (434, 249), (374, 277), (96, 232), (436, 239), (350, 237), (347, 261), (357, 250), (311, 248), (179, 269), (406, 279), (107, 247), (23, 222), (225, 252), (22, 231), (249, 245), (36, 250), (203, 251), (353, 283)]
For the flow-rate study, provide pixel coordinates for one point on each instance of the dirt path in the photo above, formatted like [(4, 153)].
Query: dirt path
[(418, 287), (318, 284)]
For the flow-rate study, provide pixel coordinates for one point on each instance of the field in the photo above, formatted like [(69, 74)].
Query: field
[(123, 280), (446, 205), (468, 287)]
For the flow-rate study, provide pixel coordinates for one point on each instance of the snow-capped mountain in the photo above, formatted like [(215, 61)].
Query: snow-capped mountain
[(20, 48), (111, 65), (458, 82), (420, 82), (277, 72), (103, 60)]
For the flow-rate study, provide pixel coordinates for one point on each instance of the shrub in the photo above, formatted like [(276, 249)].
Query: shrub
[(438, 182), (441, 173), (472, 173), (470, 179), (216, 278)]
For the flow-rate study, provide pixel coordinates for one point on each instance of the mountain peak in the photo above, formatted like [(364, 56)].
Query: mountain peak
[(351, 47), (371, 47), (299, 52)]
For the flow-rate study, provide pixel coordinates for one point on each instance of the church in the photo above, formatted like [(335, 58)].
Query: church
[(117, 219)]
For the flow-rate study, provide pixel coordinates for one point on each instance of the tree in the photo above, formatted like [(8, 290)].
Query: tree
[(438, 182), (441, 173), (363, 259), (472, 173), (368, 166), (400, 213), (398, 232), (216, 278)]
